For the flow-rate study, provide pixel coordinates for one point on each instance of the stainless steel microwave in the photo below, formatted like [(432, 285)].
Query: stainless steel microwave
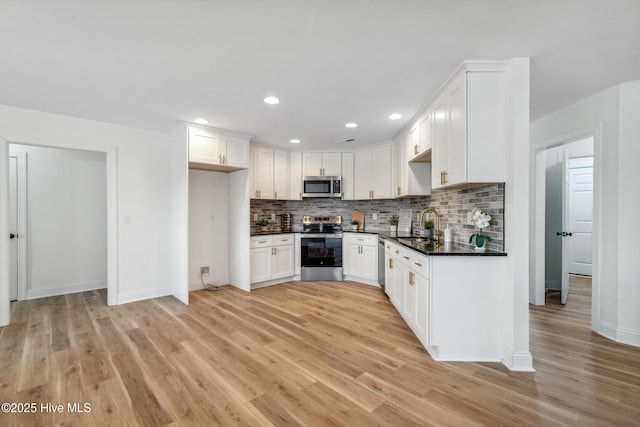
[(321, 186)]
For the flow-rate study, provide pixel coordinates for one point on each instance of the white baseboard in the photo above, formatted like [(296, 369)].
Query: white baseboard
[(273, 282), (131, 296), (518, 361), (69, 288), (360, 280), (621, 335)]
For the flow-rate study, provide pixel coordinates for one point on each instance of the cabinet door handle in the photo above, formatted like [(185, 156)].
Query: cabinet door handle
[(275, 195), (300, 195), (390, 262), (416, 149), (411, 279), (399, 191)]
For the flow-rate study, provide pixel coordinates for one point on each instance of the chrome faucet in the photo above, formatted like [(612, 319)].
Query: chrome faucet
[(437, 232)]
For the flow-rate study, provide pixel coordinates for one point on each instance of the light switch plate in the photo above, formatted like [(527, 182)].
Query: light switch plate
[(375, 216)]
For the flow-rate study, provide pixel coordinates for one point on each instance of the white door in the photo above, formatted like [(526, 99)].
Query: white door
[(580, 215), (565, 226), (13, 228)]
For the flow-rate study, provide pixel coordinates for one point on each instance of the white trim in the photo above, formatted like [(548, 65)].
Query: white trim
[(68, 288), (519, 362), (21, 158), (271, 282), (360, 280), (5, 307), (112, 227), (132, 296), (620, 335), (536, 294)]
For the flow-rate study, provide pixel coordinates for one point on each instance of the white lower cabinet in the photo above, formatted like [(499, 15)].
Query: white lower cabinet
[(451, 303), (407, 285), (272, 257), (360, 256)]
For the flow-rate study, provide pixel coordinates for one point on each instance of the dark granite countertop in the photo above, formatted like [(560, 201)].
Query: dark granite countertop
[(269, 233), (426, 247), (429, 247)]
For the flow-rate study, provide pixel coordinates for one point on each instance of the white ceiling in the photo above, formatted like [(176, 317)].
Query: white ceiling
[(154, 63)]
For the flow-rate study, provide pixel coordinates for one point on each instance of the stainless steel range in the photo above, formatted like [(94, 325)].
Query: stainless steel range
[(321, 247)]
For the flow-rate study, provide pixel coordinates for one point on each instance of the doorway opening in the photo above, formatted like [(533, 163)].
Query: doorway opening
[(564, 227), (62, 220)]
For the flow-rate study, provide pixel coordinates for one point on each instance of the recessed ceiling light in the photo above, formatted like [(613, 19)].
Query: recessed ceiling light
[(295, 141), (351, 125), (271, 100), (395, 116), (201, 121)]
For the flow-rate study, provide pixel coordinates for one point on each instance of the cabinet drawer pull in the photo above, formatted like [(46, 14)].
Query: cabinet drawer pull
[(397, 252), (262, 241), (388, 247), (418, 264), (405, 257)]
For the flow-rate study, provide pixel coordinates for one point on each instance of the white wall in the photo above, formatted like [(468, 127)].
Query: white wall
[(612, 116), (239, 258), (208, 227), (140, 169), (66, 220)]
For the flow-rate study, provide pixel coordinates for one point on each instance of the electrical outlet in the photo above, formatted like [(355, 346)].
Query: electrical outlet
[(204, 270), (255, 217), (375, 216), (273, 217)]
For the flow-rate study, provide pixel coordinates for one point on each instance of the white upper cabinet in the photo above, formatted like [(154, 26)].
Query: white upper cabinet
[(281, 176), (269, 174), (236, 151), (347, 176), (412, 178), (296, 175), (426, 133), (321, 164), (213, 149), (204, 147), (372, 173), (261, 173), (468, 127)]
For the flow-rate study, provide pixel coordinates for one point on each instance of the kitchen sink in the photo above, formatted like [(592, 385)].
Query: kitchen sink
[(419, 243)]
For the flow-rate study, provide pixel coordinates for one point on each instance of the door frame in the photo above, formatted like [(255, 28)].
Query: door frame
[(537, 224), (21, 177), (112, 220)]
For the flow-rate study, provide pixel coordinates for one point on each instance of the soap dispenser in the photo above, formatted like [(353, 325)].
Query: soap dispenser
[(447, 234)]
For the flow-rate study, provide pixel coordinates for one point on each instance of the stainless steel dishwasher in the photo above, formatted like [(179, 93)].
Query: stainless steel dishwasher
[(381, 263)]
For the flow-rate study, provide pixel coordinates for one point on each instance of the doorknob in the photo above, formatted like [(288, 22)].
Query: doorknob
[(13, 236)]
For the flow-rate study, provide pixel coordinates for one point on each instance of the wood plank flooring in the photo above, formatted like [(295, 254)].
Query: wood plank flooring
[(298, 354)]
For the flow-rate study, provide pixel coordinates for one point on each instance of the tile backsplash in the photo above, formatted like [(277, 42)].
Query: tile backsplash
[(452, 205)]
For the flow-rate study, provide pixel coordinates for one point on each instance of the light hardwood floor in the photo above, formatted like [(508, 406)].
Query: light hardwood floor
[(300, 353)]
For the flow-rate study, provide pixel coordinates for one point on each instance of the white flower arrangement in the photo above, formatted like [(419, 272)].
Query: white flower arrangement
[(480, 220)]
